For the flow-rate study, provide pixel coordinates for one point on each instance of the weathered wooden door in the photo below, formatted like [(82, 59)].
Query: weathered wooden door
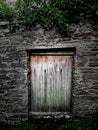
[(50, 83)]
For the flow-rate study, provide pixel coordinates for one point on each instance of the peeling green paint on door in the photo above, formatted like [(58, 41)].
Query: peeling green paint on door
[(50, 83)]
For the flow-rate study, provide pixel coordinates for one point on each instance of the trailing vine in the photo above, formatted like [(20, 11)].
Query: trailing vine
[(49, 13)]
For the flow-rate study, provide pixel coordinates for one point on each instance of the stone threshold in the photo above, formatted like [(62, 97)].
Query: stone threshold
[(49, 115)]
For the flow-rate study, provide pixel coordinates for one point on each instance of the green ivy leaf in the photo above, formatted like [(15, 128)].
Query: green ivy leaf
[(97, 12)]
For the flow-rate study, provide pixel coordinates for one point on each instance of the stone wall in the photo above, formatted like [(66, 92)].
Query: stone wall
[(14, 83)]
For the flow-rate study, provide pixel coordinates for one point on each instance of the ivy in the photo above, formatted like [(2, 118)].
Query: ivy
[(6, 10), (49, 13)]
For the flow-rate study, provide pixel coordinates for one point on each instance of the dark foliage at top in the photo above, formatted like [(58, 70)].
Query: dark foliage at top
[(49, 13)]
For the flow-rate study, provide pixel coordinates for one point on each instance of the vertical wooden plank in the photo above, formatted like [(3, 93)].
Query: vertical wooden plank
[(43, 76), (33, 83), (57, 87), (63, 86), (40, 85), (69, 78), (54, 84)]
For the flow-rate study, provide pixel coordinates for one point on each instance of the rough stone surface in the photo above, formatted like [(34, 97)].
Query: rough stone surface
[(14, 68)]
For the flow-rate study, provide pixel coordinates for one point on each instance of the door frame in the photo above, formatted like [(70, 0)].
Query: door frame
[(50, 51)]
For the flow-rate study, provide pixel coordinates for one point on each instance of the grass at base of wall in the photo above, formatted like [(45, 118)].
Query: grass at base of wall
[(87, 123)]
